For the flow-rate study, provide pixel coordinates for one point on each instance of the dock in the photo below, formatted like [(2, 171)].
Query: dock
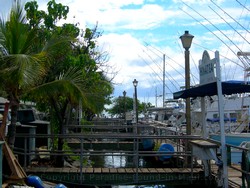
[(128, 145), (234, 175), (120, 176)]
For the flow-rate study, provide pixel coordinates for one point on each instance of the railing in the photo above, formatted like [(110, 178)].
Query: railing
[(235, 154), (135, 137)]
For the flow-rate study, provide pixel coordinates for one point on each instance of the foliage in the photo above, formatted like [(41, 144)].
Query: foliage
[(55, 13), (126, 104), (83, 56), (23, 61), (73, 77), (58, 67), (157, 146), (120, 105), (74, 157)]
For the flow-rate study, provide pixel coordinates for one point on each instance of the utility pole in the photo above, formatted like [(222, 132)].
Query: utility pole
[(163, 89)]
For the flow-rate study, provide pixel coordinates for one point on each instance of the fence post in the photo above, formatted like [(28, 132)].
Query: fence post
[(81, 161)]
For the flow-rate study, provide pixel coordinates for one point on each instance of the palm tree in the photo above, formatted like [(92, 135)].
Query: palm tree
[(19, 63), (35, 65), (24, 59)]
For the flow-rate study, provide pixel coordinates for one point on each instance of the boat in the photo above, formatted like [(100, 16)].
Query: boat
[(236, 114), (235, 139), (172, 114), (236, 122)]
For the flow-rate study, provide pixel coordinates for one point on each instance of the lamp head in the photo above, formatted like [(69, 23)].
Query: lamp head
[(135, 82), (186, 40)]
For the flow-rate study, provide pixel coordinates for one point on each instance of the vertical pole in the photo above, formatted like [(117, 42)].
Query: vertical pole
[(136, 106), (1, 162), (203, 115), (163, 90), (80, 113), (25, 152), (187, 86), (222, 126), (81, 161), (156, 97), (188, 107), (137, 158), (124, 95)]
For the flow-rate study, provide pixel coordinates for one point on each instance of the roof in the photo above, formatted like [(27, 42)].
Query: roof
[(228, 88)]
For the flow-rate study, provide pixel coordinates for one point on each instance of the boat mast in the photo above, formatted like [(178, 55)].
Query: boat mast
[(244, 58), (163, 92)]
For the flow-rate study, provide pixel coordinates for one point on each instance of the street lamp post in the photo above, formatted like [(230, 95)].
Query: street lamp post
[(186, 40), (135, 83), (124, 96), (136, 141)]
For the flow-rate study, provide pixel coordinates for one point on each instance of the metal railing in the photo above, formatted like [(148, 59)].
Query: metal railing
[(136, 137)]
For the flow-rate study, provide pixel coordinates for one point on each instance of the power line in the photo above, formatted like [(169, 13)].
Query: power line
[(167, 64), (243, 5), (214, 26), (231, 18), (158, 74), (229, 25), (168, 58), (211, 32)]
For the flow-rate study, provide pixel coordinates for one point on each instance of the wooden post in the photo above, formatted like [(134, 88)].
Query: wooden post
[(17, 171)]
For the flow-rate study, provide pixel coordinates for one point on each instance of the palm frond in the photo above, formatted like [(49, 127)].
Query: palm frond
[(57, 47), (17, 12), (24, 70), (69, 84)]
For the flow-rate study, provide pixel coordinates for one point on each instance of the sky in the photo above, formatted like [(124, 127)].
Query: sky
[(138, 33)]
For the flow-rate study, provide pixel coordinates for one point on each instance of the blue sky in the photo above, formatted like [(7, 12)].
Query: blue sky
[(136, 34)]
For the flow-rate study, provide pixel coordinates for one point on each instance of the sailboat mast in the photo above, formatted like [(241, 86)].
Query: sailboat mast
[(244, 57), (163, 90)]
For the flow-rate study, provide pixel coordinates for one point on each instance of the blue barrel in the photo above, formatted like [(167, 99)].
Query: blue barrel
[(168, 148), (148, 144), (60, 186), (34, 181)]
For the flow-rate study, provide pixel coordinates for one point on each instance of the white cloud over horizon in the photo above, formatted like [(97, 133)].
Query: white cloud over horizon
[(128, 25)]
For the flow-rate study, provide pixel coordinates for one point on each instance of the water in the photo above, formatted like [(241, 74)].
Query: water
[(116, 161), (140, 186), (110, 160), (120, 160)]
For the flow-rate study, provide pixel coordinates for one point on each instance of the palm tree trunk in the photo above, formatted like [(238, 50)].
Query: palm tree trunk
[(60, 158), (12, 126)]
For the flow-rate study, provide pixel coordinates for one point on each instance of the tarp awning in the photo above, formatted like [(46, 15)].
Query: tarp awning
[(228, 88)]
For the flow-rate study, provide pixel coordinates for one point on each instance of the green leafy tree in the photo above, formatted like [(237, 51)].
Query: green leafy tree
[(81, 65), (120, 105), (126, 104), (83, 55), (23, 61), (46, 63)]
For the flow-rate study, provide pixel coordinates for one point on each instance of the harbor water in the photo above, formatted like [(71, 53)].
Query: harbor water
[(117, 160)]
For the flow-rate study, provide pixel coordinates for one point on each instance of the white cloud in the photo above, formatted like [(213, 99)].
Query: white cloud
[(113, 18), (124, 50), (127, 24)]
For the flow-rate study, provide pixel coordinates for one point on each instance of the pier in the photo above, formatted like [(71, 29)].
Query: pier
[(120, 176), (119, 142)]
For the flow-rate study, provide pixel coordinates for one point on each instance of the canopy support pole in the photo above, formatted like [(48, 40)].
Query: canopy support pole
[(222, 126)]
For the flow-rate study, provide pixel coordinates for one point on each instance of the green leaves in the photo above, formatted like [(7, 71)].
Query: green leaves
[(47, 62), (55, 13)]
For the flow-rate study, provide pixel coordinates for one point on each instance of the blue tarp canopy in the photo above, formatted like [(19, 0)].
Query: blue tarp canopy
[(228, 88)]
